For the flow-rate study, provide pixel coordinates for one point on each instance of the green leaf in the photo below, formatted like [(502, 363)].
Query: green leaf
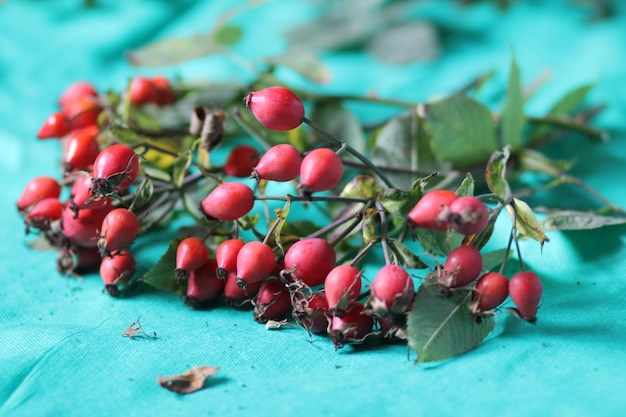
[(441, 327), (361, 186), (493, 259), (170, 52), (513, 118), (525, 221), (579, 220), (281, 215), (462, 131), (563, 108), (467, 186), (405, 43), (339, 122), (405, 256), (398, 202), (495, 175), (228, 35), (192, 207), (532, 161), (438, 243), (161, 275), (304, 63), (180, 169)]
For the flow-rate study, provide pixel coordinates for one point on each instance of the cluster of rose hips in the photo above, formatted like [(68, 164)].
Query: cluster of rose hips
[(95, 226)]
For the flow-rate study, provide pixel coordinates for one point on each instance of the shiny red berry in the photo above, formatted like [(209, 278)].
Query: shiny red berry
[(226, 256), (280, 163), (142, 91), (119, 229), (83, 112), (350, 328), (276, 108), (203, 286), (81, 150), (311, 260), (255, 262), (272, 301), (56, 125), (321, 170), (115, 169), (165, 94), (37, 189), (430, 212), (525, 289), (191, 254), (468, 215), (76, 91), (462, 266), (241, 161), (491, 290), (392, 290), (342, 287), (117, 272), (82, 195), (235, 293), (43, 213), (82, 228), (228, 201)]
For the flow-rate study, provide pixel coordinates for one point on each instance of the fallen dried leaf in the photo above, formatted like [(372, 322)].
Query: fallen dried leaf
[(189, 381), (136, 329)]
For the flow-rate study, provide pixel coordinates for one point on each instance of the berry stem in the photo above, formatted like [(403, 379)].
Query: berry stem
[(383, 231), (336, 223), (364, 251), (336, 198), (350, 150)]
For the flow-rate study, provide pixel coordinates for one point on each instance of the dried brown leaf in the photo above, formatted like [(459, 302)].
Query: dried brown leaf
[(189, 381), (135, 329)]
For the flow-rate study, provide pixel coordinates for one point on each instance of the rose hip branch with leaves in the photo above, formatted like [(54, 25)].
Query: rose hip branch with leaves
[(376, 194)]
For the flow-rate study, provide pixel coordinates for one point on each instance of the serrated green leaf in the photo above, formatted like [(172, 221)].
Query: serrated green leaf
[(304, 63), (399, 202), (462, 131), (339, 122), (161, 275), (467, 186), (525, 221), (404, 43), (438, 243), (495, 175), (173, 51), (441, 327), (493, 259), (578, 220), (405, 256)]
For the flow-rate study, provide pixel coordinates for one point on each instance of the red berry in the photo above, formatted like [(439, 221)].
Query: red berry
[(228, 201), (280, 163), (255, 262), (491, 290), (83, 197), (468, 215), (321, 170), (82, 228), (427, 213), (203, 286), (525, 289), (119, 229), (81, 150), (142, 91), (226, 256), (234, 293), (342, 287), (276, 108), (191, 254), (164, 92), (78, 259), (116, 272), (56, 125), (76, 91), (392, 290), (272, 301), (312, 313), (114, 169), (311, 259), (463, 265), (37, 189), (353, 327), (241, 161), (83, 112), (43, 213)]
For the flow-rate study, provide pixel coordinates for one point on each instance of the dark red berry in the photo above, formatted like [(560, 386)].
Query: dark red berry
[(312, 313), (311, 259), (462, 266), (430, 212), (119, 229), (234, 293), (525, 289), (276, 108), (83, 197), (228, 201), (321, 170), (280, 163), (203, 286), (241, 161), (76, 91), (468, 215), (191, 254), (272, 301), (226, 255), (43, 213), (81, 150), (164, 92), (83, 112), (37, 189), (77, 259), (56, 125), (255, 262), (351, 328), (82, 228), (491, 290), (342, 287), (392, 290)]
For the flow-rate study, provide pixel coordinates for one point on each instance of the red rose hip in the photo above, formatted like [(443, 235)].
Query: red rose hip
[(276, 108), (228, 201), (525, 290), (427, 213), (321, 170)]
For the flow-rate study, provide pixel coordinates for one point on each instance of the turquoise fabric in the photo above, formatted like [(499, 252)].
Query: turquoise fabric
[(61, 350)]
